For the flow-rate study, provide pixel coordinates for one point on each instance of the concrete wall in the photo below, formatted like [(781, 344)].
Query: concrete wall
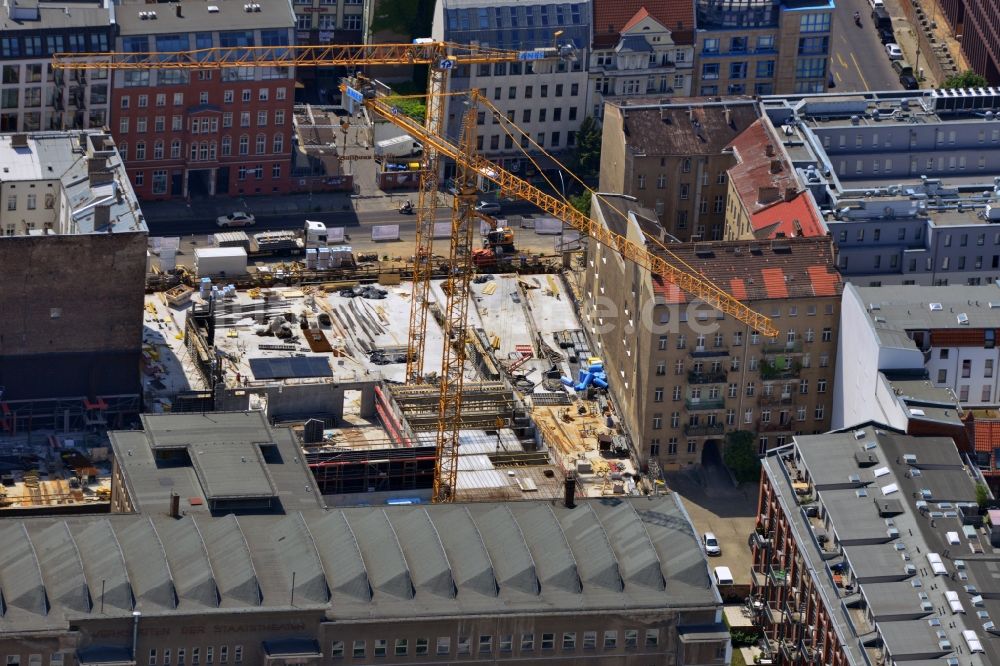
[(293, 401), (70, 305)]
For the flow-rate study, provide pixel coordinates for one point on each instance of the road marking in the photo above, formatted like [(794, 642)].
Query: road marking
[(839, 77), (863, 81), (843, 63)]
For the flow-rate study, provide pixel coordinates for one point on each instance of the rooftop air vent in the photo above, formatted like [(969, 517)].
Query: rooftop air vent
[(963, 319), (859, 434), (213, 9)]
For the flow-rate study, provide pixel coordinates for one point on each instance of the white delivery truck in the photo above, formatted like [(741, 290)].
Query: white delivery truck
[(396, 147)]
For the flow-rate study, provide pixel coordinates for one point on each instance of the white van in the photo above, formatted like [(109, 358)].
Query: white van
[(723, 576), (876, 3)]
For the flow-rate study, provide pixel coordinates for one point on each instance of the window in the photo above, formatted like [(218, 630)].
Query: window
[(658, 394), (245, 119), (152, 657), (179, 101), (140, 150), (358, 651), (337, 649), (227, 146), (166, 657), (527, 642), (751, 389), (506, 643), (223, 654), (443, 645), (652, 637), (820, 386), (988, 369), (158, 150), (275, 171), (210, 654), (548, 641), (610, 640), (195, 656), (381, 647), (181, 655), (966, 369), (140, 125), (177, 123), (814, 23), (827, 334), (402, 647), (818, 412), (631, 638), (244, 145), (569, 640), (485, 644), (278, 144)]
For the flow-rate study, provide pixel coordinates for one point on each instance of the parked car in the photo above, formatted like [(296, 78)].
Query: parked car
[(877, 3), (893, 51), (712, 547), (886, 36), (236, 219), (723, 576), (488, 208), (909, 81)]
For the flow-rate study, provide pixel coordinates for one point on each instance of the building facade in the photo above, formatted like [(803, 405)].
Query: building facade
[(547, 100), (233, 558), (200, 133), (906, 182), (640, 49), (762, 47), (684, 374), (328, 21), (946, 334), (979, 23), (672, 158), (34, 96), (861, 553), (73, 259)]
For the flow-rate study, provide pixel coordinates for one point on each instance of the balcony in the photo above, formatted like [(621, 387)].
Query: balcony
[(775, 426), (776, 399), (779, 370), (710, 377), (704, 429), (777, 576), (705, 352), (694, 404), (794, 347)]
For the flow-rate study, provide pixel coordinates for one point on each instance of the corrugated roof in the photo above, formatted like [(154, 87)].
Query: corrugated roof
[(757, 270), (434, 560), (611, 18)]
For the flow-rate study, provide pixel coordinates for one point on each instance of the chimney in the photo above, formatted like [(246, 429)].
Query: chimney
[(175, 505), (102, 217), (775, 166), (729, 117), (790, 193), (177, 8), (769, 151), (569, 498)]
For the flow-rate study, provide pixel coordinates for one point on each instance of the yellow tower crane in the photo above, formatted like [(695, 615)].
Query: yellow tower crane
[(441, 57)]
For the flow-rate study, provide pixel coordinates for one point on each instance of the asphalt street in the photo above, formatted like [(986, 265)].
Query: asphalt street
[(360, 221), (858, 59)]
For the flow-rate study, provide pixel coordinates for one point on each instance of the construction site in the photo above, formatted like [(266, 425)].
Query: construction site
[(331, 360)]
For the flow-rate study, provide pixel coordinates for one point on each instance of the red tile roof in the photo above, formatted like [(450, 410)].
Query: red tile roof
[(757, 270), (987, 435), (797, 217), (639, 15), (761, 179), (611, 17)]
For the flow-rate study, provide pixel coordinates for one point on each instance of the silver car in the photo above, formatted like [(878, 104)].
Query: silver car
[(712, 547)]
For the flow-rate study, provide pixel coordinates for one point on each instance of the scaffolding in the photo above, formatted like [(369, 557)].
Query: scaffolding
[(70, 414), (373, 470)]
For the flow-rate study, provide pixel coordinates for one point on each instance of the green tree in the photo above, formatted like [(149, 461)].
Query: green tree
[(587, 158), (982, 495), (581, 202), (967, 79), (739, 456)]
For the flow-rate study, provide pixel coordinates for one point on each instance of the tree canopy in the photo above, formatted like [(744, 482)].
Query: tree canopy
[(967, 79), (587, 158)]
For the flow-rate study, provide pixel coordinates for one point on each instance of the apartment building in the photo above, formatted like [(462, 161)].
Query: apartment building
[(946, 334), (868, 549), (200, 564), (685, 374), (640, 48), (907, 180), (33, 96), (548, 100), (765, 199), (762, 47), (328, 21), (672, 158), (200, 133), (978, 23), (73, 265)]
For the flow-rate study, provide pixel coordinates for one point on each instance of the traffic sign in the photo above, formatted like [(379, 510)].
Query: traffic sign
[(446, 63), (354, 94), (530, 55)]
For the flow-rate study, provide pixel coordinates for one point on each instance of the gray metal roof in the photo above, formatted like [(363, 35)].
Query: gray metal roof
[(228, 470), (908, 307), (195, 16), (435, 560)]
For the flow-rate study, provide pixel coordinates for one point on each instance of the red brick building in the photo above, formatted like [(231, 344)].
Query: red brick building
[(978, 22), (201, 133)]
